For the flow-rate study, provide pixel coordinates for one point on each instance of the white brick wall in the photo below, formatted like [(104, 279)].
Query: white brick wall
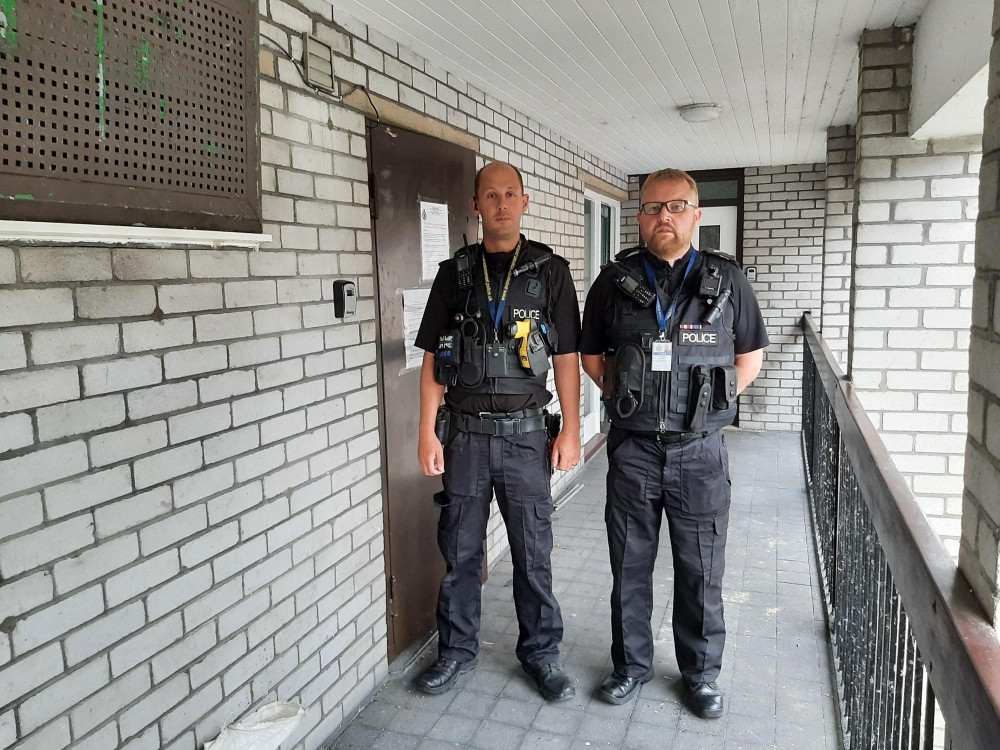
[(838, 234), (979, 555), (783, 223), (190, 507), (917, 203)]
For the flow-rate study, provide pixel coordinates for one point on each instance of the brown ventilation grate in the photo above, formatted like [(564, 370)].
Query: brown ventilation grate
[(130, 112)]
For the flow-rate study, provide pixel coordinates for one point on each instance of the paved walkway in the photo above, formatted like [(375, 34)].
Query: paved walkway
[(776, 671)]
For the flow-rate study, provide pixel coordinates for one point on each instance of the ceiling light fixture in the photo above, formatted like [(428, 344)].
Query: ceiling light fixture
[(699, 111)]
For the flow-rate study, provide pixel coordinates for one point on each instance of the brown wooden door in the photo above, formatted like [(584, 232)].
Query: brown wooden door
[(408, 168)]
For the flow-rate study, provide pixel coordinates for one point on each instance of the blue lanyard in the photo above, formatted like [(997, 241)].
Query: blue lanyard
[(496, 308), (664, 318)]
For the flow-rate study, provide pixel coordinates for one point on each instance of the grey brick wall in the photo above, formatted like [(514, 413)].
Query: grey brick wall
[(980, 541), (190, 495), (836, 305), (916, 204)]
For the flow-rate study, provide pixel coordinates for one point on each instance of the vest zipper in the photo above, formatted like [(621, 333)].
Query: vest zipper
[(664, 400)]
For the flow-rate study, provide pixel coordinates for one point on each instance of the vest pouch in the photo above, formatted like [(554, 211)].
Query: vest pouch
[(472, 369), (725, 384), (623, 393), (448, 357), (701, 397)]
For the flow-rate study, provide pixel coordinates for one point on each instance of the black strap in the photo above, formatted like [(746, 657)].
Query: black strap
[(500, 425)]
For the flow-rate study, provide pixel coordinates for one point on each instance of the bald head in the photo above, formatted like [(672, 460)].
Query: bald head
[(497, 171)]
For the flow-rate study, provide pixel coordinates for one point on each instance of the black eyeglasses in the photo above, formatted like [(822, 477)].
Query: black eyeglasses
[(653, 208)]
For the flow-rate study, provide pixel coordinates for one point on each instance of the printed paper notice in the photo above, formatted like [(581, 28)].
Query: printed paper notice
[(414, 302), (433, 237)]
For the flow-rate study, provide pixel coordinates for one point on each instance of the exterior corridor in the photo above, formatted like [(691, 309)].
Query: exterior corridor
[(776, 670)]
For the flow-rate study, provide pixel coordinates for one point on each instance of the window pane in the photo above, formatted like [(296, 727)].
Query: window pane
[(717, 191), (588, 240), (605, 233)]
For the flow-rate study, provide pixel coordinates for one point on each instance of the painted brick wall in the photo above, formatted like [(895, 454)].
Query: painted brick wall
[(980, 542), (912, 282), (783, 237), (190, 508), (783, 223), (836, 307)]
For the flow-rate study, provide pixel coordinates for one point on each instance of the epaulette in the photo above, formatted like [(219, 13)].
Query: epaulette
[(627, 252), (541, 246), (724, 256)]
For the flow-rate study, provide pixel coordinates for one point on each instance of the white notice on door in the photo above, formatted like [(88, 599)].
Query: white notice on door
[(433, 237), (414, 302)]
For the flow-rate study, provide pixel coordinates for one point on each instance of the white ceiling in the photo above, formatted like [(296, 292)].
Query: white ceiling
[(609, 74)]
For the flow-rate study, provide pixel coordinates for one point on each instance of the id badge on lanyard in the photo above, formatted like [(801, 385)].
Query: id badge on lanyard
[(662, 355), (662, 350)]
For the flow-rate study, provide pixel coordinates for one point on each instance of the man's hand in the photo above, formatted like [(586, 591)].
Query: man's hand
[(566, 450), (430, 454)]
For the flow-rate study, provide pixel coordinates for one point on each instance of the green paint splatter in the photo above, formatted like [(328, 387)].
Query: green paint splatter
[(210, 147), (142, 65), (18, 197), (181, 36), (102, 88), (8, 22), (163, 105)]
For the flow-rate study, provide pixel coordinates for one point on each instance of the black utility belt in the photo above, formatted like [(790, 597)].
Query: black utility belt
[(668, 438), (499, 424)]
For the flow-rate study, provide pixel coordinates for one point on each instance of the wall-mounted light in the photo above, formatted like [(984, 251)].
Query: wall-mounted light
[(699, 112)]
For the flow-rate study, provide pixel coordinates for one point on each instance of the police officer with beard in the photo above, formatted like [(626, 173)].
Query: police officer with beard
[(673, 335), (497, 312)]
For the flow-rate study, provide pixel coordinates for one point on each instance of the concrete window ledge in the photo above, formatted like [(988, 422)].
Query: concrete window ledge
[(104, 234)]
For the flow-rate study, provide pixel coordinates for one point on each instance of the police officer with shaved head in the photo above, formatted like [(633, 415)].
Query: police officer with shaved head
[(498, 313), (672, 334)]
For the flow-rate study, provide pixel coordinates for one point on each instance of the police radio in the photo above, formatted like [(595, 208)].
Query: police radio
[(463, 267), (640, 293)]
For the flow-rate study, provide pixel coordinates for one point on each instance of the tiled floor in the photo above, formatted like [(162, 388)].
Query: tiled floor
[(776, 672)]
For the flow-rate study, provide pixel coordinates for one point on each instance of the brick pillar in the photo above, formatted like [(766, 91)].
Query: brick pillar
[(981, 506), (915, 208), (836, 304)]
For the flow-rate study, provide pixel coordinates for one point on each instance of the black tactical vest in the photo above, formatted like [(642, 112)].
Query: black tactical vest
[(491, 361), (699, 392)]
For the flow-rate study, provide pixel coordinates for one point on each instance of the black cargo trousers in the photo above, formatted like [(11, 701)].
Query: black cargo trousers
[(688, 481), (517, 469)]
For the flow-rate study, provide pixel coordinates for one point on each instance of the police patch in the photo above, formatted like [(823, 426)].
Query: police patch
[(706, 338)]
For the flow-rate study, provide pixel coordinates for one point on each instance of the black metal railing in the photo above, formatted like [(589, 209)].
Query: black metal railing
[(905, 626)]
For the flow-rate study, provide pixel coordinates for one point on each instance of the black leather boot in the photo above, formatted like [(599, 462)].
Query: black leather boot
[(441, 676), (620, 688), (706, 700), (553, 683)]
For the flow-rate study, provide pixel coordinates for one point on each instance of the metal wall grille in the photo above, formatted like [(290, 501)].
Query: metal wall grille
[(130, 112)]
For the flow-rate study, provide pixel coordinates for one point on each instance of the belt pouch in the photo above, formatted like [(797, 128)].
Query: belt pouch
[(472, 369), (701, 396), (448, 357), (623, 395), (725, 382)]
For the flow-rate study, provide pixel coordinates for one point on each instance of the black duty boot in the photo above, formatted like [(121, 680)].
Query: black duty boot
[(441, 676), (706, 700), (620, 688), (553, 683)]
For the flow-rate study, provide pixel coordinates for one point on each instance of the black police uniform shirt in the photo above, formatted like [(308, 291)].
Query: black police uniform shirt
[(598, 313), (445, 298)]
